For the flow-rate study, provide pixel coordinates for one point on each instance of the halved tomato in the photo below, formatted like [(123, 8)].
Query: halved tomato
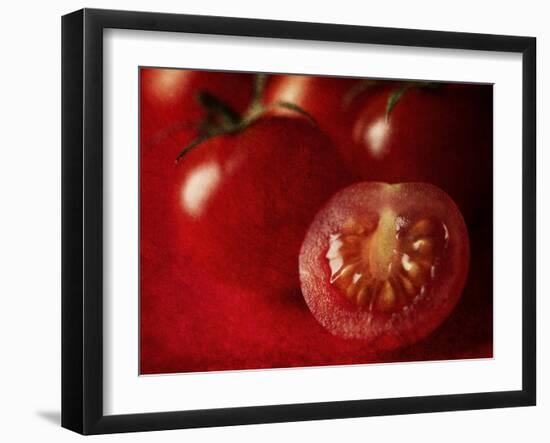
[(385, 263)]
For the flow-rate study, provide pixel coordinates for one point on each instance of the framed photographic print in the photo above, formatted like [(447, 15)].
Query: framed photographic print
[(270, 221)]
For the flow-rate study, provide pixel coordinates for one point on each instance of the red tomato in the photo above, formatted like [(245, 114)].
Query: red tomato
[(245, 200), (332, 101), (385, 263), (438, 135), (170, 116), (168, 101)]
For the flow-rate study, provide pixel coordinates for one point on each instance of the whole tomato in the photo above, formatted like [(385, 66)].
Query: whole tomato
[(332, 101), (168, 99), (244, 200), (440, 134)]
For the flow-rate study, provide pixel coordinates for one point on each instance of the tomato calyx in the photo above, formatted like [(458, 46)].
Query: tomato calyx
[(221, 119), (399, 92)]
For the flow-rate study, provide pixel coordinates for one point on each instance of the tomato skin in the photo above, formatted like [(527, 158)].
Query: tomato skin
[(168, 100), (327, 99), (437, 135), (379, 330), (244, 201)]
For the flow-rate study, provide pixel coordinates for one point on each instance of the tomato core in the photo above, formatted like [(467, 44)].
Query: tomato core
[(385, 262)]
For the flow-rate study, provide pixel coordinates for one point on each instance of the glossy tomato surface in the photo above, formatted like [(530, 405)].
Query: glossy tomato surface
[(440, 135), (385, 264), (332, 101), (243, 201)]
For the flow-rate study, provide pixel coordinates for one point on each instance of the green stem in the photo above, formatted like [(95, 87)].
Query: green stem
[(222, 119), (218, 109), (196, 142), (396, 95)]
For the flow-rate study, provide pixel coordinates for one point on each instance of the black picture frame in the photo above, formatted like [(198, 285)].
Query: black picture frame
[(82, 218)]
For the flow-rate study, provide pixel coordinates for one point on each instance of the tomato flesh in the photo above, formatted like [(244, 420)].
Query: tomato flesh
[(385, 263), (382, 266)]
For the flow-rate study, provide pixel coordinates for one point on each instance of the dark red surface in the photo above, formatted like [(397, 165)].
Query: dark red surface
[(191, 321)]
